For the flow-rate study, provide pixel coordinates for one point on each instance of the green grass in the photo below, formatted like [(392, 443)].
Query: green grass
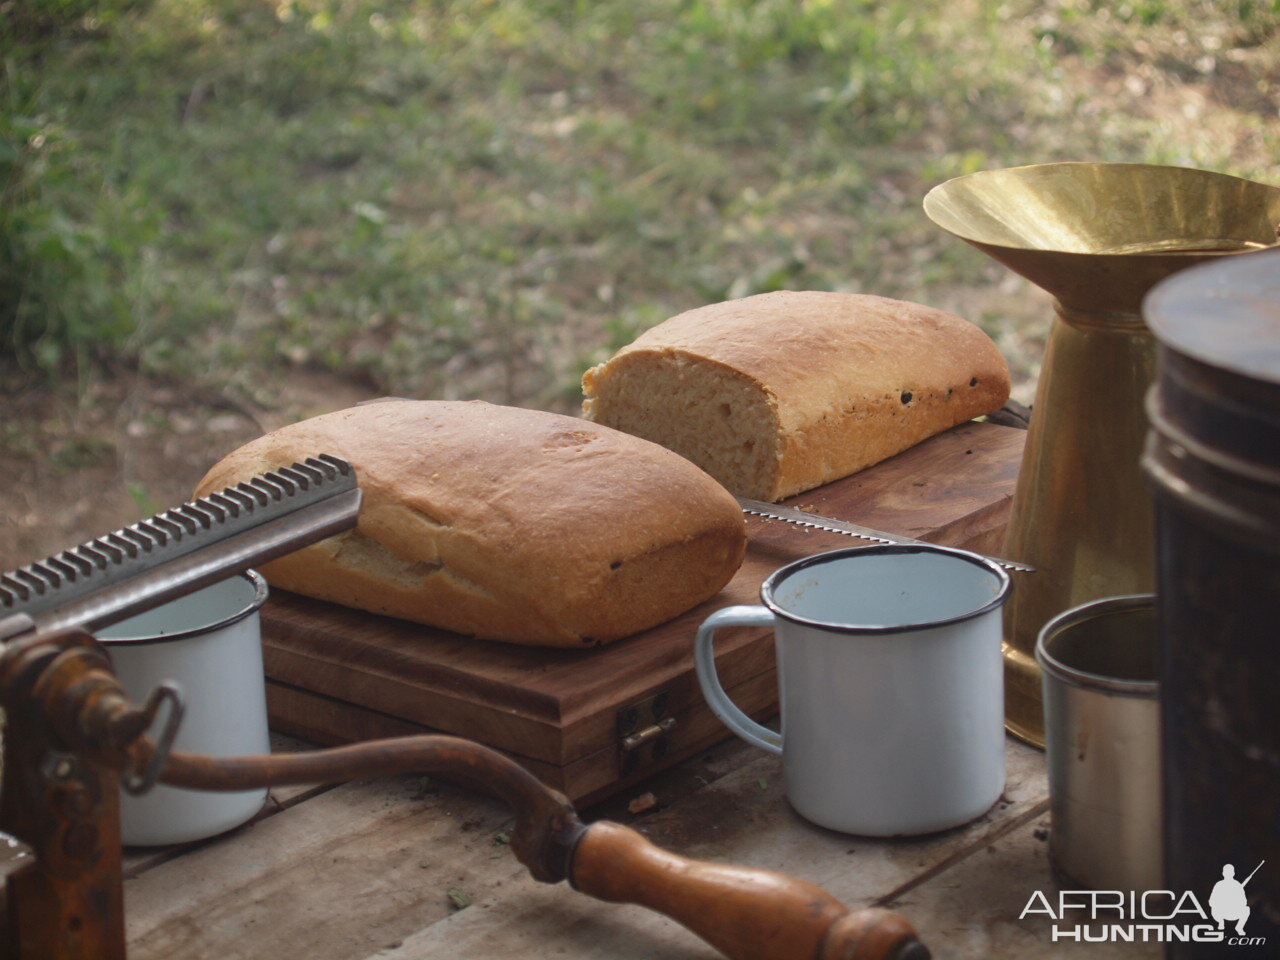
[(477, 199)]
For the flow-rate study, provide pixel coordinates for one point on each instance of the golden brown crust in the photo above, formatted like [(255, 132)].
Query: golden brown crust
[(505, 523), (840, 382)]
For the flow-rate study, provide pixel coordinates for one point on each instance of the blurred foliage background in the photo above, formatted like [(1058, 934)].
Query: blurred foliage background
[(220, 215), (477, 199)]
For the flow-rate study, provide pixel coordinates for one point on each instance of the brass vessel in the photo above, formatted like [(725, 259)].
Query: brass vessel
[(1097, 237)]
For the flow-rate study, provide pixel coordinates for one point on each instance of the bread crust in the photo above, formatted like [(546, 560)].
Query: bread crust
[(505, 523), (847, 379)]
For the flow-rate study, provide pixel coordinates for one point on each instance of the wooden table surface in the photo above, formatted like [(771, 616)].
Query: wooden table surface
[(381, 868)]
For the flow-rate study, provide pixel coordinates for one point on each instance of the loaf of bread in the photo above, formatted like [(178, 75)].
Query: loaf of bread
[(505, 523), (779, 393)]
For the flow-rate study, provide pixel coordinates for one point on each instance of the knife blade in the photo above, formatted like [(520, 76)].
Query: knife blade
[(803, 518)]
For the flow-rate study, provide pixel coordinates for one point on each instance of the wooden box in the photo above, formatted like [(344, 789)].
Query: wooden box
[(592, 722)]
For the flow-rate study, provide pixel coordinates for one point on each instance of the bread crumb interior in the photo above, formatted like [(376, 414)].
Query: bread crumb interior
[(707, 413)]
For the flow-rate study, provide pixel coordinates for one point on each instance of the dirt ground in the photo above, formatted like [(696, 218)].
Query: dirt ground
[(76, 470)]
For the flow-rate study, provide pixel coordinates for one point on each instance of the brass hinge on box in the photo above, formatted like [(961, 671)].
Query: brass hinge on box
[(642, 730)]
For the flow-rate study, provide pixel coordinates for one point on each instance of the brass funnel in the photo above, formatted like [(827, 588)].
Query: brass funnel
[(1097, 236)]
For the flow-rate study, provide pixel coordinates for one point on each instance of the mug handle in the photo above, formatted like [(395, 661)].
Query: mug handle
[(704, 656)]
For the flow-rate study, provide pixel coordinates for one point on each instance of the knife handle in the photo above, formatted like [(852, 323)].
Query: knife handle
[(746, 914)]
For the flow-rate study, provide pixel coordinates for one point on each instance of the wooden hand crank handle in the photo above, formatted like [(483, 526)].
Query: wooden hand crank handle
[(746, 914)]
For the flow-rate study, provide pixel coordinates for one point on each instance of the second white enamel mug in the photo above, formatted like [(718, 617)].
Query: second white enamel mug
[(208, 643), (890, 686)]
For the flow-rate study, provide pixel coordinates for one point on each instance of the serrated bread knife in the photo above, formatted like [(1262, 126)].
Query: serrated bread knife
[(803, 518), (181, 550)]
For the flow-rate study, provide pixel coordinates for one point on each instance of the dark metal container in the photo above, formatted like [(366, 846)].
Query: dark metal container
[(1213, 457)]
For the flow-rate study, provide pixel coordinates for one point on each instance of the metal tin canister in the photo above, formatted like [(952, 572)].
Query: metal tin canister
[(1213, 457), (1102, 739)]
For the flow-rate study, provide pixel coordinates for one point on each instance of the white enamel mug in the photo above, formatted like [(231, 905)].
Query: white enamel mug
[(209, 643), (890, 683)]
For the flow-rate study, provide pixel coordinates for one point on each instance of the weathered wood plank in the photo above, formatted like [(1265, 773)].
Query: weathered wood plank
[(973, 908), (138, 860), (341, 875), (744, 818), (741, 818), (202, 899), (366, 869)]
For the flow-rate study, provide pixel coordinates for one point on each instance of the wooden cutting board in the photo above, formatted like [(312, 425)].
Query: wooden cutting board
[(336, 675)]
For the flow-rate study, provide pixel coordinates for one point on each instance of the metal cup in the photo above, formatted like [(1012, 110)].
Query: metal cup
[(1099, 665)]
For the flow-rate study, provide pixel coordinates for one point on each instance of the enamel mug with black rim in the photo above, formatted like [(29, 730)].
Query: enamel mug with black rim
[(890, 684), (209, 644)]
